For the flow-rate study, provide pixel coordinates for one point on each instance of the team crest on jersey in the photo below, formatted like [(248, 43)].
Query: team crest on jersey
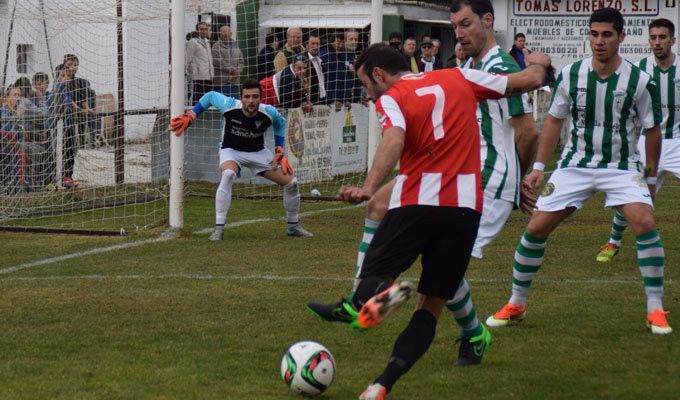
[(548, 189), (619, 97)]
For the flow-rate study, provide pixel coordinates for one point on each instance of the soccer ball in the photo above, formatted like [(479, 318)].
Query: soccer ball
[(315, 193), (308, 368)]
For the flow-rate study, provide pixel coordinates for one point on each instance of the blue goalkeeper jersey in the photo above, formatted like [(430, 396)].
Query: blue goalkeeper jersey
[(241, 132)]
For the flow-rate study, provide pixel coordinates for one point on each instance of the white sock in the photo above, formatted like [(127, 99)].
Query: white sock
[(223, 197), (291, 202)]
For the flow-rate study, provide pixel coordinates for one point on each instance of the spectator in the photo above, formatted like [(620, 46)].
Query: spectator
[(337, 72), (265, 59), (24, 86), (37, 112), (40, 83), (517, 50), (228, 62), (83, 98), (352, 52), (436, 45), (316, 78), (291, 48), (11, 107), (287, 88), (408, 51), (427, 61), (191, 35), (395, 40), (424, 38), (199, 63), (457, 58), (60, 107)]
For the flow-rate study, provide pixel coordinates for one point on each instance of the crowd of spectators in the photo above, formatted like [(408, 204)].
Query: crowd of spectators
[(301, 70), (30, 115)]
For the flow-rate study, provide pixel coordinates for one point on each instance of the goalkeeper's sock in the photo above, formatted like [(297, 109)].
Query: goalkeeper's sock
[(223, 197), (619, 225), (369, 230), (464, 312), (291, 202)]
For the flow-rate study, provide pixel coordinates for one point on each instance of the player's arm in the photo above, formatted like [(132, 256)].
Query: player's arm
[(279, 125), (648, 105), (546, 145), (526, 140), (180, 123), (385, 160)]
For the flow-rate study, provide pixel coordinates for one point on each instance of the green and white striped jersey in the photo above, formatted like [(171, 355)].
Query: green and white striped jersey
[(500, 165), (669, 91), (604, 113)]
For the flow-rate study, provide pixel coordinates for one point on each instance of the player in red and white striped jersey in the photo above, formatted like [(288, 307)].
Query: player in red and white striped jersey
[(430, 127)]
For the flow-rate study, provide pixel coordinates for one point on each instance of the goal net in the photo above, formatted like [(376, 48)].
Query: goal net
[(327, 121), (85, 92), (92, 152)]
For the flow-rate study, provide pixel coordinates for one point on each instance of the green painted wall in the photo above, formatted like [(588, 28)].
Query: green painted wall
[(247, 22), (392, 23)]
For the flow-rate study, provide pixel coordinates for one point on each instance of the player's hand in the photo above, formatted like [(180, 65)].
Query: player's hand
[(534, 180), (281, 160), (180, 123), (527, 198), (353, 194), (537, 58)]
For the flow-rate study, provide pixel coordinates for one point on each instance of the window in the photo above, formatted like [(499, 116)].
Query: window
[(24, 58)]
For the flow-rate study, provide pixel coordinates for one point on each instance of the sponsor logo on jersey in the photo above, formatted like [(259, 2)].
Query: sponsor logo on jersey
[(548, 189)]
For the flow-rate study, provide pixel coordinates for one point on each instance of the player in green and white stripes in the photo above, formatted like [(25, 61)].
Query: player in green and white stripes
[(664, 67), (606, 97)]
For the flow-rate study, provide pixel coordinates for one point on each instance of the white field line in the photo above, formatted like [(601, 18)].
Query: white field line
[(283, 278), (167, 235), (253, 221)]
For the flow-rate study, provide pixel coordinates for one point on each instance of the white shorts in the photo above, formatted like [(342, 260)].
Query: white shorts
[(258, 161), (571, 187), (494, 217), (669, 160)]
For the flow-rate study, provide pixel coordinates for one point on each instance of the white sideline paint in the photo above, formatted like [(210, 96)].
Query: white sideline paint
[(207, 277), (253, 221), (167, 235)]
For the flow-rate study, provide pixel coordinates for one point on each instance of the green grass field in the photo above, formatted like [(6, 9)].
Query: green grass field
[(189, 319)]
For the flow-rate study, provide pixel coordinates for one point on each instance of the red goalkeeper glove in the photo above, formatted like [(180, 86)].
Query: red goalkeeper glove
[(180, 123), (282, 161)]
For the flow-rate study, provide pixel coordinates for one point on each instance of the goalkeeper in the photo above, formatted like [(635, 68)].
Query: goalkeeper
[(244, 124)]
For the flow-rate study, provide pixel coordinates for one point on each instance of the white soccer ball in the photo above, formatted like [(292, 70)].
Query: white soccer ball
[(308, 368), (315, 193)]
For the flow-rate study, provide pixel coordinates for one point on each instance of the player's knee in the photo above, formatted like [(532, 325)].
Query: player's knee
[(376, 209), (643, 224), (292, 185)]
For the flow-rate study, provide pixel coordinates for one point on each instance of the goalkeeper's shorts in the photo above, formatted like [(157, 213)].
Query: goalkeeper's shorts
[(258, 161)]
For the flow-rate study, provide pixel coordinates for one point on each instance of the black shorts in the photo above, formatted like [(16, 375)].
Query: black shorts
[(444, 236)]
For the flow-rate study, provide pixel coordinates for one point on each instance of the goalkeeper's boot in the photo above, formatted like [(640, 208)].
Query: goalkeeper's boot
[(298, 231), (508, 314), (472, 349), (657, 323), (607, 252), (375, 391), (217, 235), (383, 304), (342, 311)]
